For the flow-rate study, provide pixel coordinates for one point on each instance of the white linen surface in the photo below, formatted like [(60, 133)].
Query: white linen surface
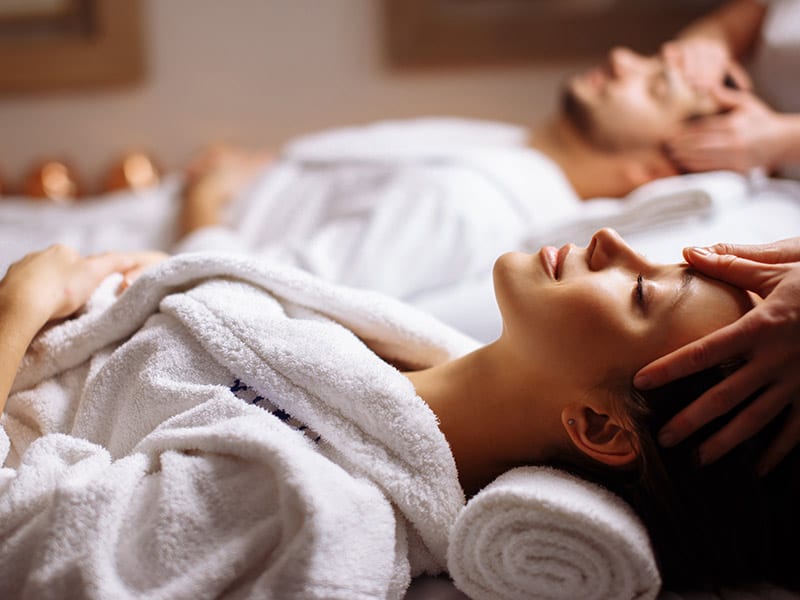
[(133, 470)]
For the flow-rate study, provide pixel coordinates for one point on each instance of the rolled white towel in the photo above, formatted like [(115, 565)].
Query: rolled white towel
[(536, 532)]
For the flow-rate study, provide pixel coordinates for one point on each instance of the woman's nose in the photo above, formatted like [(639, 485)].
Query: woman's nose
[(607, 249)]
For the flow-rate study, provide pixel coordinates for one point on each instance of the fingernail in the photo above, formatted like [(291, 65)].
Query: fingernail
[(667, 439), (702, 458), (641, 382), (699, 251)]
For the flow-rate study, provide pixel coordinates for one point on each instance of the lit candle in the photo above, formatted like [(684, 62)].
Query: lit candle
[(134, 171), (52, 180)]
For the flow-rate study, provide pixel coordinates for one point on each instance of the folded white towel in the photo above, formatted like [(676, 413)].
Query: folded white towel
[(627, 216), (536, 532)]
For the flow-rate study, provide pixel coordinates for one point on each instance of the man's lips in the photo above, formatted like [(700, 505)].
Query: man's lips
[(596, 77)]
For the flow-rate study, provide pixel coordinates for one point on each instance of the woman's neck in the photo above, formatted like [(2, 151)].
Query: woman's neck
[(488, 414)]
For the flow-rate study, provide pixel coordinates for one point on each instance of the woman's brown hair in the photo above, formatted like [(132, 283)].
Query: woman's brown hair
[(710, 526)]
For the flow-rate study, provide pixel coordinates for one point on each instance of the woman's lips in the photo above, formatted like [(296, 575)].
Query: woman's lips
[(549, 256), (553, 259), (560, 258)]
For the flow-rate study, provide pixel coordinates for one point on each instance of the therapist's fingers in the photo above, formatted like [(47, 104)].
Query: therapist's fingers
[(787, 250), (703, 162), (731, 341), (740, 76), (744, 425), (705, 148), (784, 443), (728, 99), (741, 272), (720, 399)]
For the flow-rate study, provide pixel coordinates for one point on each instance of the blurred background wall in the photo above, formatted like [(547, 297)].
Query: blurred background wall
[(255, 72)]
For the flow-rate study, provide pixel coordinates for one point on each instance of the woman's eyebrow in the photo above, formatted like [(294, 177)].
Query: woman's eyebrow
[(687, 277)]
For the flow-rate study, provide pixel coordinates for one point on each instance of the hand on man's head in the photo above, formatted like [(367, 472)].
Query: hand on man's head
[(705, 63), (747, 135)]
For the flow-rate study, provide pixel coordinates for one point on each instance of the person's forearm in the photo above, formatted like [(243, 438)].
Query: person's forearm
[(19, 323), (789, 144), (200, 209), (735, 25)]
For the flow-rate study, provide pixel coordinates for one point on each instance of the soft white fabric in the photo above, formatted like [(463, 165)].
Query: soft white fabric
[(127, 220), (776, 61), (358, 205), (536, 532), (135, 471)]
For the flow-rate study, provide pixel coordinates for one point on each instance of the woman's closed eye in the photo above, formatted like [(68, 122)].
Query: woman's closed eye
[(639, 292)]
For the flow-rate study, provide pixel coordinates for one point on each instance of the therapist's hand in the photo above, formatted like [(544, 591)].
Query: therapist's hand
[(704, 62), (750, 134), (768, 337)]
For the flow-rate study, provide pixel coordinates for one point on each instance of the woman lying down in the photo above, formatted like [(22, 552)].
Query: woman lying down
[(231, 428)]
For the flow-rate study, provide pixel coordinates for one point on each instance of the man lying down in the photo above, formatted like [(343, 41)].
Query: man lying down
[(230, 428), (355, 205)]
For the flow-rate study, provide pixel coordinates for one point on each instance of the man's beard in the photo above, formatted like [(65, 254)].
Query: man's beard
[(576, 111), (580, 116)]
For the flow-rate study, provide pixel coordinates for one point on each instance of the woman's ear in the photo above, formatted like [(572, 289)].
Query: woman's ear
[(599, 436)]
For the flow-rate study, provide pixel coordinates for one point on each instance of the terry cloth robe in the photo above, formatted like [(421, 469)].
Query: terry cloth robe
[(226, 429), (354, 205)]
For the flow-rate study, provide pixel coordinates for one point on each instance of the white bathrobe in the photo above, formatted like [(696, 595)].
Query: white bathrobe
[(225, 430)]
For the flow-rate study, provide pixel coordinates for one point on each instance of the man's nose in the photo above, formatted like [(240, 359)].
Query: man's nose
[(622, 61)]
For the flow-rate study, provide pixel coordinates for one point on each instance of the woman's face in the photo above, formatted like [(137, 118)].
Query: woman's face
[(595, 315)]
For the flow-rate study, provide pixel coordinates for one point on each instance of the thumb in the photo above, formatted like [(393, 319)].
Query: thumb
[(740, 272), (728, 98), (776, 252), (740, 76)]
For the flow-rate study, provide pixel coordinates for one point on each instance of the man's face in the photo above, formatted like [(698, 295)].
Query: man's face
[(632, 101)]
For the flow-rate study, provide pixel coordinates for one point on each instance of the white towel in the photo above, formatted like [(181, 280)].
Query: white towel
[(653, 207), (628, 216), (137, 469), (539, 533)]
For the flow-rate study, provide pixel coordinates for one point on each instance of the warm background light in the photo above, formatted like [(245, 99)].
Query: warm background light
[(52, 180)]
